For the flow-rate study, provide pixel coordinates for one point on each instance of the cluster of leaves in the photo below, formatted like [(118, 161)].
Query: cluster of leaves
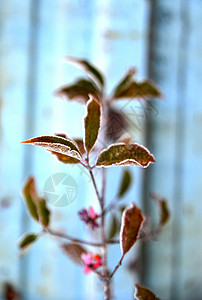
[(90, 92)]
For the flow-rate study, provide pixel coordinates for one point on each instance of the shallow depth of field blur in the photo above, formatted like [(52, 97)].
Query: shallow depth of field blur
[(162, 39)]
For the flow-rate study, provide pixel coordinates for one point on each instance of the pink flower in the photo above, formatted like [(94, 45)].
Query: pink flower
[(89, 217), (91, 262)]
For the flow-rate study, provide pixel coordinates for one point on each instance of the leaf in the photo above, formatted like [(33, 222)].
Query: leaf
[(163, 209), (142, 293), (123, 84), (79, 91), (30, 195), (44, 213), (125, 154), (116, 124), (125, 183), (56, 144), (80, 145), (90, 70), (91, 123), (74, 252), (132, 220), (145, 89), (113, 227), (26, 241)]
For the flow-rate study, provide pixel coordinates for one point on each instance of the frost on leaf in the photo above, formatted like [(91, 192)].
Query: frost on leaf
[(125, 154), (91, 123), (56, 144), (132, 220), (142, 293)]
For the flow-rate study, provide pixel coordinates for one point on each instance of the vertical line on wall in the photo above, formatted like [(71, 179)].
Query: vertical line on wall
[(30, 119), (175, 292), (148, 135)]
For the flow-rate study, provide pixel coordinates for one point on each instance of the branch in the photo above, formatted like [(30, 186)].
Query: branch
[(117, 266)]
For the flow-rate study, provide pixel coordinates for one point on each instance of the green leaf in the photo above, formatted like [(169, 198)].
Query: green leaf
[(44, 213), (79, 91), (142, 293), (91, 123), (56, 144), (30, 196), (90, 70), (114, 227), (145, 89), (125, 154), (74, 252), (132, 220), (125, 183), (124, 83), (26, 241)]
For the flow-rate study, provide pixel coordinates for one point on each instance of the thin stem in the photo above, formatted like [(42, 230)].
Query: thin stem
[(116, 268), (104, 241), (75, 240)]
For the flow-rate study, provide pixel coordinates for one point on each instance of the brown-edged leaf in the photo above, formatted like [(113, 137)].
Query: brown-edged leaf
[(125, 183), (125, 154), (26, 241), (30, 195), (44, 212), (79, 91), (142, 293), (132, 220), (88, 68), (74, 252), (91, 123), (145, 89), (56, 144), (124, 83)]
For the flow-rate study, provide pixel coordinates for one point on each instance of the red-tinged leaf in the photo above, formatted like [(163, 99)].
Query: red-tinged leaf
[(66, 159), (56, 144), (80, 145), (164, 213), (142, 293), (163, 209), (88, 68), (79, 91), (116, 124), (124, 83), (44, 212), (145, 89), (91, 123), (132, 220), (74, 252), (10, 292), (30, 195), (26, 241), (126, 181), (125, 154)]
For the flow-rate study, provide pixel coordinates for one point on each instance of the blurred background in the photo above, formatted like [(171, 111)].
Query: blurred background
[(162, 39)]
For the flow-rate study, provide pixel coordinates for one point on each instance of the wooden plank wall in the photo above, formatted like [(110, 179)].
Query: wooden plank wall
[(160, 37), (173, 264)]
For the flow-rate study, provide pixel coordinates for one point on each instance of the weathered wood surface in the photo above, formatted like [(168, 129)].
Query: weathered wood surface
[(34, 36)]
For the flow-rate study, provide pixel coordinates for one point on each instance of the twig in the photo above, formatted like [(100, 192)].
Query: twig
[(116, 268)]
